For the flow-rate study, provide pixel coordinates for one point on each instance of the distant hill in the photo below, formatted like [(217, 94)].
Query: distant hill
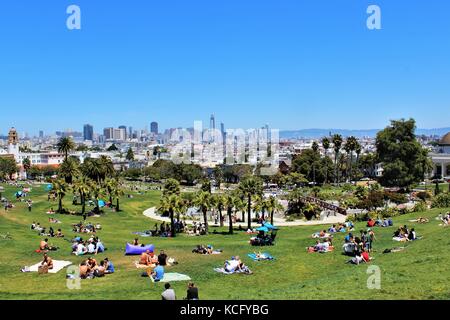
[(319, 133)]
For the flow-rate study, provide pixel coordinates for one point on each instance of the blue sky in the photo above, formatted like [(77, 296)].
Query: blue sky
[(290, 63)]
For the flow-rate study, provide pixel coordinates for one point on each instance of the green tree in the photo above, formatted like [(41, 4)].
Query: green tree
[(273, 206), (337, 145), (219, 202), (60, 187), (401, 154), (169, 203), (203, 200), (82, 187), (350, 148), (130, 155), (66, 145), (171, 187), (69, 169), (26, 164), (326, 147), (250, 186), (8, 168)]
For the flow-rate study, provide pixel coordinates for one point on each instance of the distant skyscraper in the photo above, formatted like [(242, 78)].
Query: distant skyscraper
[(124, 128), (154, 128), (108, 133), (212, 124), (41, 134), (130, 132), (88, 132)]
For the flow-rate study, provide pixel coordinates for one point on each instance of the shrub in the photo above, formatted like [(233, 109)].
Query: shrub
[(424, 195), (420, 206), (442, 200)]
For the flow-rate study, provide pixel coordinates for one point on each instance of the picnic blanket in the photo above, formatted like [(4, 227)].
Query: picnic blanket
[(58, 265), (255, 258), (173, 277), (223, 271), (143, 234)]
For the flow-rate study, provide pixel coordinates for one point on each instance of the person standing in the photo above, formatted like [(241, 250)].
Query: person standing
[(30, 205)]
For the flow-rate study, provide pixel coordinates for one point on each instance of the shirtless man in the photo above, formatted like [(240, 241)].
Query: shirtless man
[(84, 270), (47, 262), (44, 245), (145, 258), (92, 263)]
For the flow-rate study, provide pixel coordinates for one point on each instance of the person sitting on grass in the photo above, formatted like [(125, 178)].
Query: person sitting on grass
[(100, 270), (169, 293), (158, 273), (192, 292), (92, 263), (47, 262), (59, 234), (84, 270), (109, 266), (44, 246), (162, 259), (145, 258)]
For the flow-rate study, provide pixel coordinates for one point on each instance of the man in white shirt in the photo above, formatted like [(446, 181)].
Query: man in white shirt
[(168, 294)]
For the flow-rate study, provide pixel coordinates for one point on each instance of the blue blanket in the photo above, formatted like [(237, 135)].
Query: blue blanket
[(255, 258)]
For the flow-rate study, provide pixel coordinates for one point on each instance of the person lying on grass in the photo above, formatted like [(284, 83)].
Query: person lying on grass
[(236, 265), (201, 249), (322, 247)]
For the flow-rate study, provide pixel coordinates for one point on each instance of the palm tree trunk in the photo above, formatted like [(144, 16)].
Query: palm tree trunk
[(117, 204), (60, 207), (243, 216), (230, 229), (249, 212), (83, 204), (220, 217), (172, 223), (205, 218), (271, 217)]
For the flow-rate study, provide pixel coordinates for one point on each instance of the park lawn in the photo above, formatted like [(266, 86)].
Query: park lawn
[(419, 272)]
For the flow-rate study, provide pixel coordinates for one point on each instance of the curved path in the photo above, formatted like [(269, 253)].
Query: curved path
[(151, 213)]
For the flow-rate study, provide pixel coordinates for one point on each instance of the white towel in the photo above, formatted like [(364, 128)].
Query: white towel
[(57, 266)]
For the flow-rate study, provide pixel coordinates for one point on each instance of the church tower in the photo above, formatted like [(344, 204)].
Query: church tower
[(13, 143)]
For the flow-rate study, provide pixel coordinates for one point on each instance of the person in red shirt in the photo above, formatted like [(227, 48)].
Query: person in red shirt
[(365, 256), (371, 223)]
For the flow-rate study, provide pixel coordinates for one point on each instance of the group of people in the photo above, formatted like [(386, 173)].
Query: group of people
[(198, 229), (149, 258), (403, 234), (380, 223), (91, 246), (359, 247), (169, 293), (42, 231), (90, 269), (341, 227), (322, 247), (206, 250), (86, 228)]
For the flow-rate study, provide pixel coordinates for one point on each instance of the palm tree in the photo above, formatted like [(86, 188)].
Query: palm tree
[(337, 144), (350, 147), (250, 186), (240, 206), (273, 206), (26, 163), (65, 145), (61, 189), (259, 206), (230, 203), (82, 186), (117, 192), (219, 202), (170, 203), (326, 146), (96, 191), (203, 200), (171, 186), (69, 169), (107, 167)]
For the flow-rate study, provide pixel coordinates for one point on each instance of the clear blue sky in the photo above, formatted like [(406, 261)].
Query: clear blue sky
[(290, 63)]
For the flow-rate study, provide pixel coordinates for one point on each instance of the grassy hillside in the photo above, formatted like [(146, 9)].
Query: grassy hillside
[(419, 272)]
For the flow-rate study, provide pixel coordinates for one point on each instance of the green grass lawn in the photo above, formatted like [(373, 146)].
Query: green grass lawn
[(419, 272)]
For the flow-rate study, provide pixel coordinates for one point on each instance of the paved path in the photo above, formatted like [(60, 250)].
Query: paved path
[(151, 213)]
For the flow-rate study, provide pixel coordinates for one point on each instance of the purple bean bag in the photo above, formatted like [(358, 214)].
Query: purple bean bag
[(138, 250)]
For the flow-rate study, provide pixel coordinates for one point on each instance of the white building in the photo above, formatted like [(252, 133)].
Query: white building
[(441, 159)]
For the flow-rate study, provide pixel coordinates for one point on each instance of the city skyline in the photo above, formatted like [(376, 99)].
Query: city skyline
[(301, 65)]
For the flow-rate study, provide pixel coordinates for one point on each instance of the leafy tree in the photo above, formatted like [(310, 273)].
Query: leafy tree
[(273, 206), (401, 155), (171, 187), (8, 168), (82, 187), (112, 148), (326, 146), (169, 203), (130, 155), (26, 163)]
